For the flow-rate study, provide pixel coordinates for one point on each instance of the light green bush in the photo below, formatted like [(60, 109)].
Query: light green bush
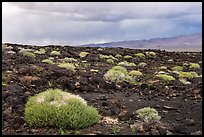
[(127, 57), (165, 77), (163, 67), (47, 61), (55, 107), (55, 53), (110, 61), (101, 56), (69, 59), (117, 74), (118, 56), (148, 114), (140, 55), (29, 54), (125, 63), (150, 54), (188, 75), (142, 64), (83, 54), (68, 66), (177, 68), (40, 51), (135, 73), (25, 50), (194, 66)]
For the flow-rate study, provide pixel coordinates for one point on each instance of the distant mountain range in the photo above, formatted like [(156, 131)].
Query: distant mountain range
[(191, 42)]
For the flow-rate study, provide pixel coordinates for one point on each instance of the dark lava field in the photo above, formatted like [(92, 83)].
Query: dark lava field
[(178, 101)]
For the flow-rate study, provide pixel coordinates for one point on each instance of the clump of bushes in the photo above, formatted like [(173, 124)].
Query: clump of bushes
[(148, 114), (125, 63), (165, 77), (29, 54), (140, 55), (47, 61), (194, 66), (55, 53), (177, 68), (83, 54), (61, 109), (68, 66), (25, 50)]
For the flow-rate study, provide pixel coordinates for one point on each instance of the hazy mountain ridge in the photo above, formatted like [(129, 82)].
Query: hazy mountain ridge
[(191, 42)]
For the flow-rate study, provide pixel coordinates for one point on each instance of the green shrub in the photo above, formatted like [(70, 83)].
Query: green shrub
[(165, 77), (99, 49), (135, 73), (150, 54), (142, 64), (83, 54), (188, 75), (68, 66), (101, 56), (40, 51), (125, 63), (116, 74), (29, 54), (25, 50), (177, 68), (140, 55), (194, 66), (47, 61), (148, 114), (163, 67), (55, 53), (127, 57), (69, 59), (118, 56), (55, 107), (110, 61)]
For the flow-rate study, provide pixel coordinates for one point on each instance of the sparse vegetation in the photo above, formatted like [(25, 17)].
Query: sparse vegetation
[(188, 75), (163, 68), (118, 56), (110, 61), (135, 73), (70, 60), (40, 51)]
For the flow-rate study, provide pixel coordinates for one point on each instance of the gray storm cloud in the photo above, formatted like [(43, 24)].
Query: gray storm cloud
[(87, 22)]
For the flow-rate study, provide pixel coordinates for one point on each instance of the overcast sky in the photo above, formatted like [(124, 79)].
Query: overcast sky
[(73, 23)]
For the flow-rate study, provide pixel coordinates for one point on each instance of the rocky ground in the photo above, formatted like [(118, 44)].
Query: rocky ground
[(178, 104)]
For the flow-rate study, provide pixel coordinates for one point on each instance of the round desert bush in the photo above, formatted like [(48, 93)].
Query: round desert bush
[(83, 54), (57, 108), (177, 68), (194, 66), (148, 114), (55, 53), (117, 74), (135, 73), (29, 54)]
